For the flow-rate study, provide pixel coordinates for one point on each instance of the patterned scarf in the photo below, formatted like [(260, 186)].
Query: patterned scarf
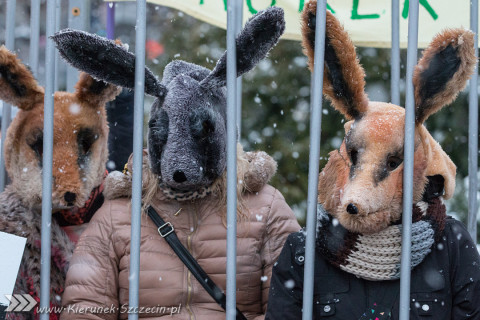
[(376, 257), (186, 195)]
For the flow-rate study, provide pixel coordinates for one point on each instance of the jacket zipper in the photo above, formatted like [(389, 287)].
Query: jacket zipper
[(189, 274)]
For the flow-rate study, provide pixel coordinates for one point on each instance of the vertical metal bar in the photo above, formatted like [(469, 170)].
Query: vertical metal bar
[(238, 28), (395, 55), (47, 162), (10, 24), (34, 35), (232, 7), (110, 20), (7, 109), (58, 14), (408, 163), (78, 18), (473, 131), (314, 157), (140, 37)]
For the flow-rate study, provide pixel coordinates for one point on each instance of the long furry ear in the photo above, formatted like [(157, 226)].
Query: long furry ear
[(95, 92), (260, 34), (17, 84), (443, 71), (103, 59), (344, 77)]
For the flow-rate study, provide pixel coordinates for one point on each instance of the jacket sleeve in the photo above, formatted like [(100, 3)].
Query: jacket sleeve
[(286, 287), (464, 273), (91, 286), (281, 222)]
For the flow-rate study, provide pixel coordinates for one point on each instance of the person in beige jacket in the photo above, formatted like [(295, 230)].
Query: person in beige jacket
[(184, 181), (97, 281)]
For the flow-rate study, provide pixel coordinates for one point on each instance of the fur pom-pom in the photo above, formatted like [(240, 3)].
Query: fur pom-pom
[(261, 169), (117, 185)]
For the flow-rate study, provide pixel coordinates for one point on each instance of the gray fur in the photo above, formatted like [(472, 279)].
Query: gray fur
[(260, 34), (103, 60), (187, 128)]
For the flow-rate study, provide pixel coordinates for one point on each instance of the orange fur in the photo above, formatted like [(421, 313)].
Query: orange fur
[(367, 171), (463, 41), (352, 72), (29, 94), (73, 114)]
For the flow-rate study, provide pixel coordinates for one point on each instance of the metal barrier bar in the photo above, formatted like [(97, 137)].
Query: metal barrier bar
[(34, 35), (110, 20), (238, 28), (78, 18), (232, 8), (473, 132), (395, 54), (47, 162), (7, 109), (408, 162), (314, 157), (140, 38)]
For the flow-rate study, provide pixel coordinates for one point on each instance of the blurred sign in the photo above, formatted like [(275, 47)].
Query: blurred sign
[(11, 256), (367, 21)]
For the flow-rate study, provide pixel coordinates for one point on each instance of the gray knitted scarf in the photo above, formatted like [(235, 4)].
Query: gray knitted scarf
[(376, 257)]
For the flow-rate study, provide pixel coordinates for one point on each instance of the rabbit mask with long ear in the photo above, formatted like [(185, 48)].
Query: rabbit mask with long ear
[(80, 135), (361, 185), (186, 138)]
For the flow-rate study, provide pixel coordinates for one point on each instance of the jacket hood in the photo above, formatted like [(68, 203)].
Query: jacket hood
[(254, 171)]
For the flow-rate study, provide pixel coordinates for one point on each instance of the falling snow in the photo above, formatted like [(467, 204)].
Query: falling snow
[(289, 284)]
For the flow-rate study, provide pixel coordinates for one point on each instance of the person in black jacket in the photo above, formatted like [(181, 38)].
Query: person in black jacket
[(446, 285), (120, 138), (359, 230)]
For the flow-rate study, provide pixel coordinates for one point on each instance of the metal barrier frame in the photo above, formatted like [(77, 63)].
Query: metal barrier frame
[(234, 23)]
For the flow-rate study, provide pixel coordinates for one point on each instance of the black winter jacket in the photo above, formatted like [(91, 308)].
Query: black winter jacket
[(446, 285)]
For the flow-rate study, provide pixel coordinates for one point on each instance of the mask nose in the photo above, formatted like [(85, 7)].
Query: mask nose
[(70, 197), (179, 176), (352, 209)]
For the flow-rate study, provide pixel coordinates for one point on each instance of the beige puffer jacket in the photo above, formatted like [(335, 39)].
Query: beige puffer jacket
[(97, 281)]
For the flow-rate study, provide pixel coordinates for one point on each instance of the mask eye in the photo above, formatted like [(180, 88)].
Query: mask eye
[(354, 156), (37, 145), (393, 163), (158, 128), (202, 124), (208, 127), (85, 139)]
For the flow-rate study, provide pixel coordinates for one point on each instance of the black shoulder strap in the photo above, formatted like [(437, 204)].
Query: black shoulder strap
[(166, 230)]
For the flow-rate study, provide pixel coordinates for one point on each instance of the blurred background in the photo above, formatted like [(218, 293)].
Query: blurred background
[(276, 94)]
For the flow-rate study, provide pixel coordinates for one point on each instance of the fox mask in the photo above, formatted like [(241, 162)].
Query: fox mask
[(361, 185)]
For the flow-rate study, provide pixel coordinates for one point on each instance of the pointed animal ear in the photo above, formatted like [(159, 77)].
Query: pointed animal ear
[(443, 71), (95, 92), (260, 34), (343, 77), (17, 84), (103, 59)]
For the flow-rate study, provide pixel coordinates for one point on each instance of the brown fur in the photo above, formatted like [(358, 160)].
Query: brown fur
[(17, 84), (353, 74), (73, 112), (463, 41), (21, 201), (359, 173)]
